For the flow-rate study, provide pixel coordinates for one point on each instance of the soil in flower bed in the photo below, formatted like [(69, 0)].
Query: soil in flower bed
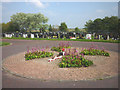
[(42, 69)]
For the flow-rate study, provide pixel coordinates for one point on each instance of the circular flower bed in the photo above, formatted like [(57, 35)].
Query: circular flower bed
[(40, 68), (63, 68), (71, 57)]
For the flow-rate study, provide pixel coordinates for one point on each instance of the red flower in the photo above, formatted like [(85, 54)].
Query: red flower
[(63, 49)]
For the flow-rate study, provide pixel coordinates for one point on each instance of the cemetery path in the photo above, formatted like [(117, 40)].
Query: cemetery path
[(12, 81)]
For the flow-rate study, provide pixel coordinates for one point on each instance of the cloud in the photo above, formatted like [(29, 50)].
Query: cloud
[(37, 3)]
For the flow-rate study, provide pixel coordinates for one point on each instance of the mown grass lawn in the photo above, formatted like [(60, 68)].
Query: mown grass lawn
[(4, 43), (85, 40)]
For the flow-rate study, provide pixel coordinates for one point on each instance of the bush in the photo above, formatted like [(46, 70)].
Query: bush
[(58, 49), (74, 61), (92, 51), (37, 54), (60, 46)]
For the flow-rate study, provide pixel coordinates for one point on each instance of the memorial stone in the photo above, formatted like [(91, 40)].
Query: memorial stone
[(24, 35), (32, 35), (108, 37), (99, 37), (88, 36)]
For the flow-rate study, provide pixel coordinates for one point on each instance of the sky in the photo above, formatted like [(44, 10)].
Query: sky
[(74, 14)]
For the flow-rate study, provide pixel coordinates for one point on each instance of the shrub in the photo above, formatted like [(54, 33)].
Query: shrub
[(72, 58), (58, 49), (36, 53), (60, 46), (74, 61), (94, 51)]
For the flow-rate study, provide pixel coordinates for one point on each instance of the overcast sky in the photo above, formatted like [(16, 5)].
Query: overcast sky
[(75, 14)]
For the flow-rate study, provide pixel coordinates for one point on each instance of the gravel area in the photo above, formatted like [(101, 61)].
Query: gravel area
[(42, 69)]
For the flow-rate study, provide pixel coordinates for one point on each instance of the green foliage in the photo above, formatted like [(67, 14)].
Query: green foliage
[(42, 27), (63, 27), (103, 26), (4, 43), (61, 46), (92, 51), (74, 61), (77, 29), (50, 28), (58, 49), (37, 54), (29, 21), (119, 28), (55, 28), (9, 27)]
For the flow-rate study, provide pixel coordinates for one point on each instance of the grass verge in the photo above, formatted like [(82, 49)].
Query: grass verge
[(84, 40), (4, 43)]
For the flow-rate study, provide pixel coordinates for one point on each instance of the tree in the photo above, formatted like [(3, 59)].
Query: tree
[(29, 21), (107, 25), (55, 28), (113, 25), (4, 28), (77, 29), (50, 28), (63, 27), (119, 28), (89, 26), (42, 27), (9, 27), (98, 26)]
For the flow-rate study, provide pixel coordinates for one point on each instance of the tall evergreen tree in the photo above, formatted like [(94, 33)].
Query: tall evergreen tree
[(63, 27)]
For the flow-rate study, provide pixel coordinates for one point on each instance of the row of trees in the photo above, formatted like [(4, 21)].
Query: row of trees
[(62, 27), (26, 22), (107, 25)]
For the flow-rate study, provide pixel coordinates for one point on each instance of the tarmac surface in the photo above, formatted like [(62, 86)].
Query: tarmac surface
[(12, 81)]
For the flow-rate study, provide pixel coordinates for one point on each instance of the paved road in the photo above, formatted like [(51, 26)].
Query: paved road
[(11, 81)]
